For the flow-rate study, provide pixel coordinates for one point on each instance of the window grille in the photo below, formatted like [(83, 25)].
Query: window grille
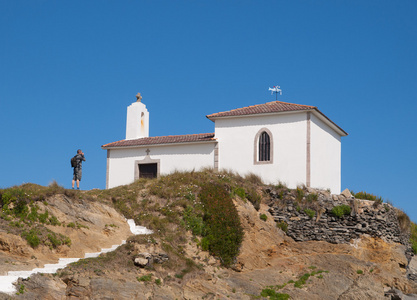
[(264, 147)]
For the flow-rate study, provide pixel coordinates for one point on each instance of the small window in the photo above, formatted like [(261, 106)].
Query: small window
[(148, 170), (264, 147)]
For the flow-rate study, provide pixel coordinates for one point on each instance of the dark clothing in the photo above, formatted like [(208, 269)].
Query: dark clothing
[(78, 169), (80, 158), (77, 174)]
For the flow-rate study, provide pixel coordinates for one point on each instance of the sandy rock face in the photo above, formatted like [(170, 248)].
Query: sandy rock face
[(14, 245), (104, 226), (261, 237), (364, 269), (96, 226)]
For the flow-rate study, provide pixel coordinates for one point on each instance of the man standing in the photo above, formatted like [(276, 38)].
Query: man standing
[(78, 168)]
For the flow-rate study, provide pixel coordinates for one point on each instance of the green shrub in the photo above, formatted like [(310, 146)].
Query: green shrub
[(32, 237), (17, 198), (66, 241), (17, 224), (270, 291), (367, 196), (299, 194), (71, 225), (283, 226), (273, 295), (254, 198), (21, 290), (33, 215), (54, 221), (341, 210), (312, 197), (240, 192), (263, 217), (43, 218), (111, 225), (20, 208), (303, 279), (54, 240), (413, 237), (224, 233), (81, 226), (145, 278), (205, 243), (194, 220), (309, 212), (5, 217), (359, 272)]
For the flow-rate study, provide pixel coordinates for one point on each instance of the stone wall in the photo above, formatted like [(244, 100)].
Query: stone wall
[(366, 217)]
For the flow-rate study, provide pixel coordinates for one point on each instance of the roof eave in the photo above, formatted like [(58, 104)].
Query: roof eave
[(329, 122), (315, 110), (104, 147)]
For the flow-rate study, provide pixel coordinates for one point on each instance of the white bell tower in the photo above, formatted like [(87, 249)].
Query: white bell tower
[(137, 122)]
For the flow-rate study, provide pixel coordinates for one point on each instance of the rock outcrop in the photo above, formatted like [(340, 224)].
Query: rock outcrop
[(335, 257), (320, 224)]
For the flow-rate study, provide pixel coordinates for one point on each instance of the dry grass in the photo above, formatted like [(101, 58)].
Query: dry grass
[(403, 220)]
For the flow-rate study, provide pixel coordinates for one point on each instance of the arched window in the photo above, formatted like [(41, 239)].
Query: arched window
[(264, 147)]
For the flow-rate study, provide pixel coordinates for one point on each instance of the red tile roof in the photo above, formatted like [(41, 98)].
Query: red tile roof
[(273, 107), (270, 107), (160, 140), (266, 108)]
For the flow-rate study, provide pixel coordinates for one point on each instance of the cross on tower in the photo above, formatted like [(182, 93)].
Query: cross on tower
[(147, 151), (138, 97)]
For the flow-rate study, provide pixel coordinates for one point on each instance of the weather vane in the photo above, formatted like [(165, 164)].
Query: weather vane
[(276, 89)]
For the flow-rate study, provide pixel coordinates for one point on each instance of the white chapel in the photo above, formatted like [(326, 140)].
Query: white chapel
[(280, 142)]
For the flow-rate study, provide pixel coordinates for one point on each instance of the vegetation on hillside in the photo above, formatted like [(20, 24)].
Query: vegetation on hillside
[(199, 202), (413, 238), (367, 196), (20, 214), (182, 209), (341, 210)]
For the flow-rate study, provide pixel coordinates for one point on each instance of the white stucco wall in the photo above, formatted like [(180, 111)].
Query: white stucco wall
[(237, 150), (184, 157), (325, 156), (236, 137), (137, 121)]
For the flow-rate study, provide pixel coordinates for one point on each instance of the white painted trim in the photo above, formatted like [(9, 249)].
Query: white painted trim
[(146, 160), (256, 148)]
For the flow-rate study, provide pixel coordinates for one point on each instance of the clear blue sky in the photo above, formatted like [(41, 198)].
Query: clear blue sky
[(69, 69)]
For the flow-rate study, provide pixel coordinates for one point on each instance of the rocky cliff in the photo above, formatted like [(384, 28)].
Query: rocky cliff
[(360, 255)]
